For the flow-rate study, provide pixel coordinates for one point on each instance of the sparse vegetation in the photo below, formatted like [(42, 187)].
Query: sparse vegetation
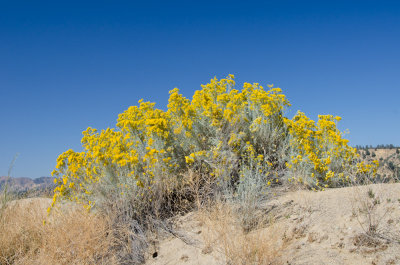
[(5, 193), (374, 209), (224, 233), (70, 236)]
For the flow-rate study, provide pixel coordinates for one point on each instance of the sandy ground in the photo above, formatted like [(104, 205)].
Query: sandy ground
[(306, 227), (326, 227)]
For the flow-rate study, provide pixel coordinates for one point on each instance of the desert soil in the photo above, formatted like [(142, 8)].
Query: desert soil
[(327, 227)]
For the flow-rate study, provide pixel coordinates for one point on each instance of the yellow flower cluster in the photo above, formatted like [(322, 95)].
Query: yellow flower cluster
[(320, 152), (221, 131)]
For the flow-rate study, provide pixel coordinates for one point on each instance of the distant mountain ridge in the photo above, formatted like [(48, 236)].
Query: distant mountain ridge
[(24, 185)]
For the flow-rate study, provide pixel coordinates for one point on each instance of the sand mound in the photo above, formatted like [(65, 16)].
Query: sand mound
[(355, 225)]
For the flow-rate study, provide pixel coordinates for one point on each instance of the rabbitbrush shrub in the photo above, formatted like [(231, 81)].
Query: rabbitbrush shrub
[(240, 139)]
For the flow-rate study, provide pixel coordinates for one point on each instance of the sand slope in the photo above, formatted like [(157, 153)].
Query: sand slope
[(326, 227)]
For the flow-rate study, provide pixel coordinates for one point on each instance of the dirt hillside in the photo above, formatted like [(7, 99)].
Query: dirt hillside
[(355, 225)]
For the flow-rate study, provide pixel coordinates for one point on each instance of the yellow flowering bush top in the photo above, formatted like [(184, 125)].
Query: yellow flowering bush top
[(235, 136)]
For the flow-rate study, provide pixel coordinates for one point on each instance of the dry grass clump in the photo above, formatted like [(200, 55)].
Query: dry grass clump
[(70, 236), (374, 206), (225, 233)]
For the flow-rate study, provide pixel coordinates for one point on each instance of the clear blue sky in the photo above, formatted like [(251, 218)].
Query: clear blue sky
[(67, 65)]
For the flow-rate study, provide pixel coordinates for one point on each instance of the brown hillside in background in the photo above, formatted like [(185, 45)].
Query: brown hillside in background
[(27, 187), (389, 161)]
